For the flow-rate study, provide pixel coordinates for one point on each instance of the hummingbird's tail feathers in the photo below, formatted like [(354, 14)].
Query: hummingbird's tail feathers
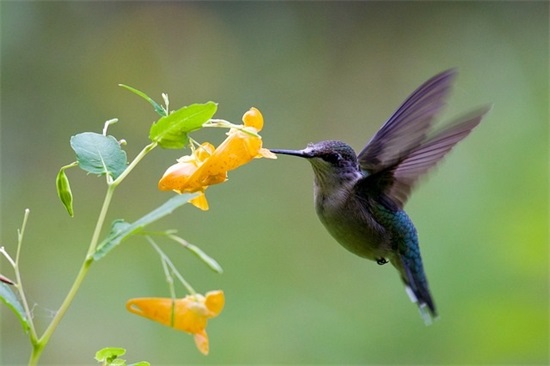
[(409, 124), (425, 312), (416, 286)]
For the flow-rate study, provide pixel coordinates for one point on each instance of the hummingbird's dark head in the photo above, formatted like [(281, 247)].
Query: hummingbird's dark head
[(331, 152), (336, 153), (332, 161)]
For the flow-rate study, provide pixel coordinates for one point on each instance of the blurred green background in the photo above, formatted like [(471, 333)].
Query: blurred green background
[(317, 70)]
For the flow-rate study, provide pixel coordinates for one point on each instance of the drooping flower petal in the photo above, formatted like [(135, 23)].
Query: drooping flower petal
[(200, 201), (201, 341)]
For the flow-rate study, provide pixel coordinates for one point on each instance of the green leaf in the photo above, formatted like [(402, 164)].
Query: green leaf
[(155, 105), (120, 229), (64, 191), (109, 356), (170, 132), (98, 154), (210, 262), (109, 353), (140, 363), (9, 298)]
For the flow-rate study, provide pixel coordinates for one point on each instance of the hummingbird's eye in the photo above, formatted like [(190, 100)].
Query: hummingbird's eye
[(332, 158)]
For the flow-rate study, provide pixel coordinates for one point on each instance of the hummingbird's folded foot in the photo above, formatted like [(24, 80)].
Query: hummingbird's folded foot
[(381, 261)]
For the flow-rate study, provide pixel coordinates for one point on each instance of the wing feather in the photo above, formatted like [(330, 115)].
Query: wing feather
[(409, 124), (427, 154)]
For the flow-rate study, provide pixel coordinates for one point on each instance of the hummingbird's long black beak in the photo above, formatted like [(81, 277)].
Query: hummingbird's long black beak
[(299, 153)]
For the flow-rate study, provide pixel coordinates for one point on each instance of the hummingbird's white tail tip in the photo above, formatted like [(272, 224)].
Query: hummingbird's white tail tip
[(422, 307), (411, 294), (425, 314)]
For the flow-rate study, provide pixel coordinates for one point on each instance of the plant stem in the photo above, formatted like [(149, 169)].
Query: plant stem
[(19, 282), (134, 162), (221, 123), (20, 234), (38, 346), (173, 269)]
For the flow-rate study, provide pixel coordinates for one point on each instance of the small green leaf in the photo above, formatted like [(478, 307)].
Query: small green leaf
[(155, 105), (9, 298), (210, 262), (120, 229), (140, 363), (64, 191), (170, 132), (98, 154), (108, 354)]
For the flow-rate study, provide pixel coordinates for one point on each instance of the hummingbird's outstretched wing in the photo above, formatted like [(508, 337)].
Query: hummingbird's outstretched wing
[(397, 180), (426, 155), (408, 126)]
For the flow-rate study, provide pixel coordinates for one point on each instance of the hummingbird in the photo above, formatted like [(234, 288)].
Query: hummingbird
[(359, 198)]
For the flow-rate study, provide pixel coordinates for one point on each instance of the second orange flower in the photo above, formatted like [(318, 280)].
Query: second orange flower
[(189, 314)]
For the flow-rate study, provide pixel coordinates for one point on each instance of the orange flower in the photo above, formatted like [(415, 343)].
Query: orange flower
[(189, 314), (206, 166), (178, 176)]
